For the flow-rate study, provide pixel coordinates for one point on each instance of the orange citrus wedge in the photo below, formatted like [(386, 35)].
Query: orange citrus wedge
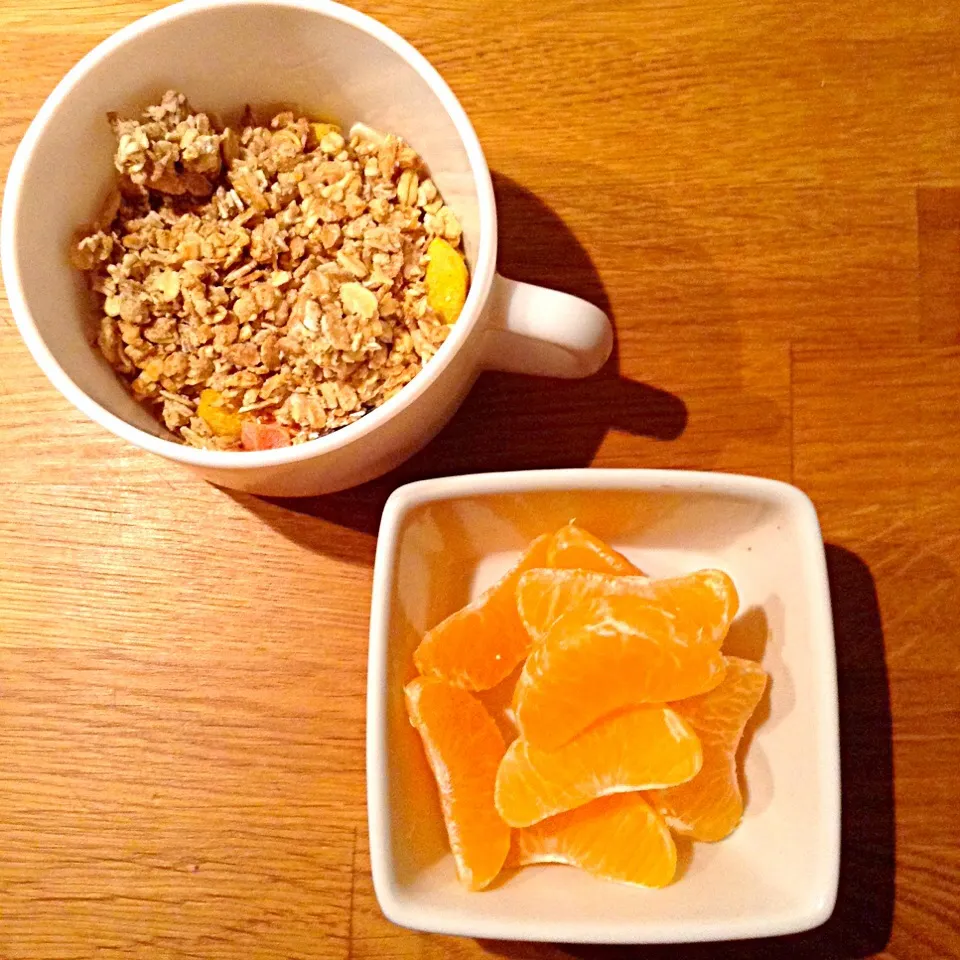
[(464, 748), (619, 837), (636, 749), (652, 642), (572, 547), (710, 806), (703, 601), (482, 643)]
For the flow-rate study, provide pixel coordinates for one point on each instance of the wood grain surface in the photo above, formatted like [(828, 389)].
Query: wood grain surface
[(766, 197)]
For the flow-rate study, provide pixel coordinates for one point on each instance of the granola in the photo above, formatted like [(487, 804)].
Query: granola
[(269, 284)]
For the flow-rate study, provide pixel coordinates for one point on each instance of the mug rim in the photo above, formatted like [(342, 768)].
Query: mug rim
[(232, 460)]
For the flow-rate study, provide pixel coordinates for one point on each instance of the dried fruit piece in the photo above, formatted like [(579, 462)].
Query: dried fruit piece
[(263, 436), (636, 749), (463, 747), (481, 644), (218, 415), (710, 806), (320, 130), (446, 280), (619, 837)]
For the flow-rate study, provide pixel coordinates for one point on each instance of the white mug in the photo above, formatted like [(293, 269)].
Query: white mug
[(333, 62)]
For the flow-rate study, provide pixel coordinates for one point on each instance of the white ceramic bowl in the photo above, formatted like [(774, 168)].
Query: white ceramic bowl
[(443, 541), (333, 62)]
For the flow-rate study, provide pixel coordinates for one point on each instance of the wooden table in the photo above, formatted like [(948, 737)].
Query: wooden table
[(766, 197)]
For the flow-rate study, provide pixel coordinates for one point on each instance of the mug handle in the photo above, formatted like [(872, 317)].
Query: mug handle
[(544, 332)]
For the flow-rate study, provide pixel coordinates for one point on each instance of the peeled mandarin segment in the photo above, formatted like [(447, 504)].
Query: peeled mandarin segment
[(464, 748), (446, 280), (704, 603), (710, 806), (221, 420), (619, 837), (573, 547), (722, 714), (480, 645), (639, 749), (609, 653)]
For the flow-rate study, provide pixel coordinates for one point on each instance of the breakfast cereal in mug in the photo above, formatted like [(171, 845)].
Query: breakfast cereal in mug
[(264, 285)]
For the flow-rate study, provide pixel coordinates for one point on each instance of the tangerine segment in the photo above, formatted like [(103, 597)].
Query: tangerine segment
[(619, 837), (464, 748), (704, 603), (710, 806), (607, 654), (482, 643), (573, 547), (637, 749)]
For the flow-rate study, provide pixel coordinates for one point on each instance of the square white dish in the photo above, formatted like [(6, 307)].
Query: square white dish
[(443, 541)]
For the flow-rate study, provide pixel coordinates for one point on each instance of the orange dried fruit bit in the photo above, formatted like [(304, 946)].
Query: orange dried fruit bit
[(480, 645), (619, 837), (446, 280), (572, 547), (463, 747), (632, 750), (658, 643), (706, 599), (710, 806), (218, 415)]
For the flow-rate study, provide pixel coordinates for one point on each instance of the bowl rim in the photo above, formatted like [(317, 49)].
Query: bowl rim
[(405, 911), (233, 460)]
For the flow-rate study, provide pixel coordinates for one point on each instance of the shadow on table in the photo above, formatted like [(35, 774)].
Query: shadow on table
[(862, 921), (508, 422)]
